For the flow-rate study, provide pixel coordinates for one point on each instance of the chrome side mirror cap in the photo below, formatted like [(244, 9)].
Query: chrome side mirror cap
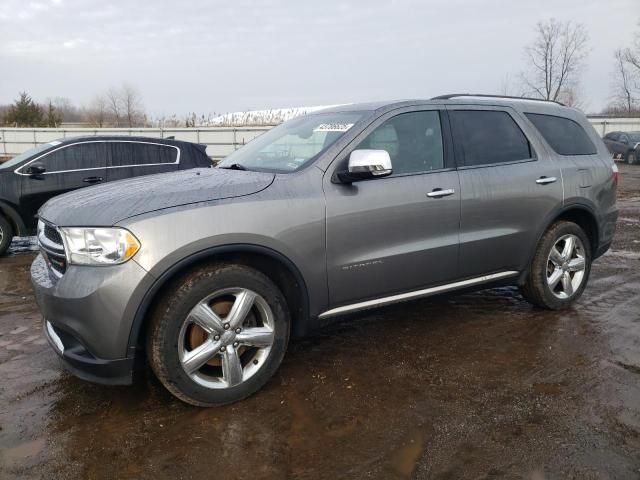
[(367, 165)]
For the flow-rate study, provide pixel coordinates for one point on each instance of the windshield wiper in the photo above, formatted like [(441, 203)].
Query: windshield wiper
[(235, 166)]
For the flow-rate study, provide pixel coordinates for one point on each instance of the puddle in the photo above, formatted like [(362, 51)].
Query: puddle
[(22, 452)]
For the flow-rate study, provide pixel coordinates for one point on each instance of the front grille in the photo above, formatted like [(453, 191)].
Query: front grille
[(52, 247), (52, 234)]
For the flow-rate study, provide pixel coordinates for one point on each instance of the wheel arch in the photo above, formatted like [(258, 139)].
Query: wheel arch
[(10, 213), (579, 213), (279, 268)]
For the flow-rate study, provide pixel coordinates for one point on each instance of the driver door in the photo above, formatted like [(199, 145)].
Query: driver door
[(395, 234)]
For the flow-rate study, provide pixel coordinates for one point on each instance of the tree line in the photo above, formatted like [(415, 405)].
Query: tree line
[(117, 107), (555, 61)]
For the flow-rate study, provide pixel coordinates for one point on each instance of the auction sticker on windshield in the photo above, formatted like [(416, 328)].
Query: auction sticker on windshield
[(333, 127)]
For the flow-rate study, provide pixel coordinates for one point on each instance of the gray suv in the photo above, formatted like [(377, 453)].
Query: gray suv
[(211, 271)]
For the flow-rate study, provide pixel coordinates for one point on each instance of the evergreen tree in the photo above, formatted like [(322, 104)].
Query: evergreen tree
[(53, 118), (25, 112)]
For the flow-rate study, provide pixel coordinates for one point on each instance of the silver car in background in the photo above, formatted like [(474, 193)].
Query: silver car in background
[(207, 273)]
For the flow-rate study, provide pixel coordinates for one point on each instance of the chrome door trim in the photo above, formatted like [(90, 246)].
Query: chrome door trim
[(545, 180), (441, 193), (17, 172), (401, 297)]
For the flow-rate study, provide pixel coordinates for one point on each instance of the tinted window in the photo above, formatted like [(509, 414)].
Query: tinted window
[(565, 136), (130, 153), (483, 137), (612, 136), (413, 141), (76, 157), (623, 138)]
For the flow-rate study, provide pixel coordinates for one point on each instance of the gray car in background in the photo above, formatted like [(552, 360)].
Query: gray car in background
[(209, 272), (624, 145)]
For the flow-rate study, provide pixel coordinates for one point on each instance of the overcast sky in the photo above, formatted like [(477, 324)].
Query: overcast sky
[(217, 56)]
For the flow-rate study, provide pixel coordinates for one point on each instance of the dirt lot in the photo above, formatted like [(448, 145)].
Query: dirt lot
[(472, 386)]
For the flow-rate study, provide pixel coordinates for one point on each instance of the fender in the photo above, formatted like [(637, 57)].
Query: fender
[(193, 258), (11, 213), (574, 204)]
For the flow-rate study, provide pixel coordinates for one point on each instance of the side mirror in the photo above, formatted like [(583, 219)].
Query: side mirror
[(36, 169), (366, 165)]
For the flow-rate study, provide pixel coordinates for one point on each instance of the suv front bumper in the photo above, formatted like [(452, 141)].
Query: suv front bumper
[(88, 316), (83, 365)]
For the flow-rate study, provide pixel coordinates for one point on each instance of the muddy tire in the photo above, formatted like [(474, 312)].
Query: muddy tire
[(218, 334), (560, 268), (632, 157), (6, 235)]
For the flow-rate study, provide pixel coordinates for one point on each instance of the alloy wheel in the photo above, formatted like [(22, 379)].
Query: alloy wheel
[(226, 338), (566, 266)]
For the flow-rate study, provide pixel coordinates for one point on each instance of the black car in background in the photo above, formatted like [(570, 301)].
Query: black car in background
[(624, 145), (33, 177)]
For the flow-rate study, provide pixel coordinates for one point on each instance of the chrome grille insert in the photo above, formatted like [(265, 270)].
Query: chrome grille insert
[(52, 247)]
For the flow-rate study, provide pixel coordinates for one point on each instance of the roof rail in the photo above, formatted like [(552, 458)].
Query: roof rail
[(484, 95)]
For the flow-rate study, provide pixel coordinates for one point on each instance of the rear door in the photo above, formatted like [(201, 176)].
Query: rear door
[(388, 235), (622, 145), (132, 158), (610, 140), (509, 186), (67, 168)]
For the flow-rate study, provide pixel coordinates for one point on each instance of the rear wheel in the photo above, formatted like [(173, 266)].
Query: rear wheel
[(632, 157), (218, 335), (6, 235), (560, 267)]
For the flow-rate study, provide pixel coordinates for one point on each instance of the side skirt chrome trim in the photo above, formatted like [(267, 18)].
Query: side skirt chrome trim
[(401, 297)]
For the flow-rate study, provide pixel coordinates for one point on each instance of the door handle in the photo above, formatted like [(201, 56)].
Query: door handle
[(544, 180), (92, 179), (439, 192)]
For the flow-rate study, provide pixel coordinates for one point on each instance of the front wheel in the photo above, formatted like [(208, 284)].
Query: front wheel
[(560, 267), (218, 334), (632, 157), (6, 235)]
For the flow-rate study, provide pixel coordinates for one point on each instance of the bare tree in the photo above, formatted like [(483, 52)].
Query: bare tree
[(623, 88), (114, 105), (131, 102), (631, 54), (555, 57), (97, 111), (625, 98)]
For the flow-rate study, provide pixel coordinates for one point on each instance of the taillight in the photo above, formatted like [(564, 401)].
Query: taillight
[(615, 173)]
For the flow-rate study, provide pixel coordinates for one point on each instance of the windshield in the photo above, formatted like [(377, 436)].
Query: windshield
[(634, 137), (293, 144), (29, 153)]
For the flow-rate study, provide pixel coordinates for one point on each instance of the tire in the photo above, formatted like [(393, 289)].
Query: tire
[(6, 235), (177, 330), (542, 287), (632, 157)]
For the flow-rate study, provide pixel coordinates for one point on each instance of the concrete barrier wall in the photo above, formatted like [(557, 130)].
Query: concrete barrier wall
[(604, 125), (220, 141)]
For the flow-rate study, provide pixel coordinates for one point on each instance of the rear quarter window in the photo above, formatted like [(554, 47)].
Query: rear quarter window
[(128, 154), (564, 135)]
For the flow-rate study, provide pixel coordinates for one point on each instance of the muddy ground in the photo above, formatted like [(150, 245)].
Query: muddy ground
[(472, 386)]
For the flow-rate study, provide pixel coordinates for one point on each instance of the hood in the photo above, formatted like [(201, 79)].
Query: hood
[(105, 205)]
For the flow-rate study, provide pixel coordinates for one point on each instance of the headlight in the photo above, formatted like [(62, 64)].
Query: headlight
[(99, 246)]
